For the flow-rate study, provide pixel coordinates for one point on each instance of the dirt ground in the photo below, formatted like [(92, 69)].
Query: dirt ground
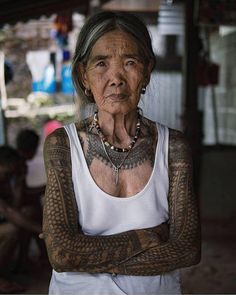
[(216, 273)]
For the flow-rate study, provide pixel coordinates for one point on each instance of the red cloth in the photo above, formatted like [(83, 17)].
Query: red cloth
[(50, 126)]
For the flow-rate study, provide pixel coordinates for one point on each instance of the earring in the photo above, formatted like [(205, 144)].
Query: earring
[(87, 92), (143, 90)]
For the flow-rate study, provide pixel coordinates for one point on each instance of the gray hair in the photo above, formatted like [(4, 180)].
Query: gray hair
[(98, 25)]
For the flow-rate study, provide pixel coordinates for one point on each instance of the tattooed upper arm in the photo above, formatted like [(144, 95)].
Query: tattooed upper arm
[(181, 192), (184, 245), (68, 248)]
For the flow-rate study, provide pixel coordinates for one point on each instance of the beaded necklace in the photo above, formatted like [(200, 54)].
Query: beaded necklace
[(108, 144), (105, 144)]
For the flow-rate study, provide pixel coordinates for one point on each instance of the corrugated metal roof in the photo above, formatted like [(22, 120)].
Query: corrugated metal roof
[(12, 11)]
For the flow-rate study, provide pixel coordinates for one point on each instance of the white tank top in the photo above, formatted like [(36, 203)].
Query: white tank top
[(103, 214)]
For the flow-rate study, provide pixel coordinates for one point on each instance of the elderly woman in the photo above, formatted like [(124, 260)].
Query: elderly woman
[(120, 216)]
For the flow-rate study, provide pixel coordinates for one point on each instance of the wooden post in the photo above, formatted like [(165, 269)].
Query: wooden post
[(3, 100), (192, 116)]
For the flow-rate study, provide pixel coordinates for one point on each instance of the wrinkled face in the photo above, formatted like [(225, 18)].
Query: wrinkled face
[(115, 73)]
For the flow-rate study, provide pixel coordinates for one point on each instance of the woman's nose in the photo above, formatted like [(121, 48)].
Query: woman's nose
[(117, 77), (117, 83)]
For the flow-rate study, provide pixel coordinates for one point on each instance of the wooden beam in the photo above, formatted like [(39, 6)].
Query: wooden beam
[(192, 116), (12, 11), (133, 5)]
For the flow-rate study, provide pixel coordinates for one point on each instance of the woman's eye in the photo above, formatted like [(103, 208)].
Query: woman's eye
[(130, 62), (100, 64)]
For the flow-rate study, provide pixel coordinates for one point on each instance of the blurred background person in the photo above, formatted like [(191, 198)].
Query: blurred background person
[(16, 223)]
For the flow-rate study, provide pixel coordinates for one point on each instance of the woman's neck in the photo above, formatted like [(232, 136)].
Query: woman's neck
[(118, 128)]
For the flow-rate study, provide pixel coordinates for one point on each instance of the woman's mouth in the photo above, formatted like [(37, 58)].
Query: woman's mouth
[(115, 96)]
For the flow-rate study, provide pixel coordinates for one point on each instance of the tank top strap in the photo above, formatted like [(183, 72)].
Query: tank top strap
[(163, 138), (72, 134)]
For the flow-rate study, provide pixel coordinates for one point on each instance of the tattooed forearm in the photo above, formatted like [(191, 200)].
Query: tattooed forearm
[(184, 244), (68, 248)]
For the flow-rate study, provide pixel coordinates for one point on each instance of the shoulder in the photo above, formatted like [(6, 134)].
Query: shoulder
[(154, 124), (179, 148), (84, 125), (56, 138), (148, 127), (177, 139), (147, 121), (57, 148)]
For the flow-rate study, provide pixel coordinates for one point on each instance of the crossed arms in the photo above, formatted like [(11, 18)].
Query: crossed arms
[(137, 252)]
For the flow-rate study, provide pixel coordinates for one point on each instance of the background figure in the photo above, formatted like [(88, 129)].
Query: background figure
[(27, 143), (15, 222)]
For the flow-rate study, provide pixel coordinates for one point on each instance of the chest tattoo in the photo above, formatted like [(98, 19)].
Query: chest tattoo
[(144, 151)]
